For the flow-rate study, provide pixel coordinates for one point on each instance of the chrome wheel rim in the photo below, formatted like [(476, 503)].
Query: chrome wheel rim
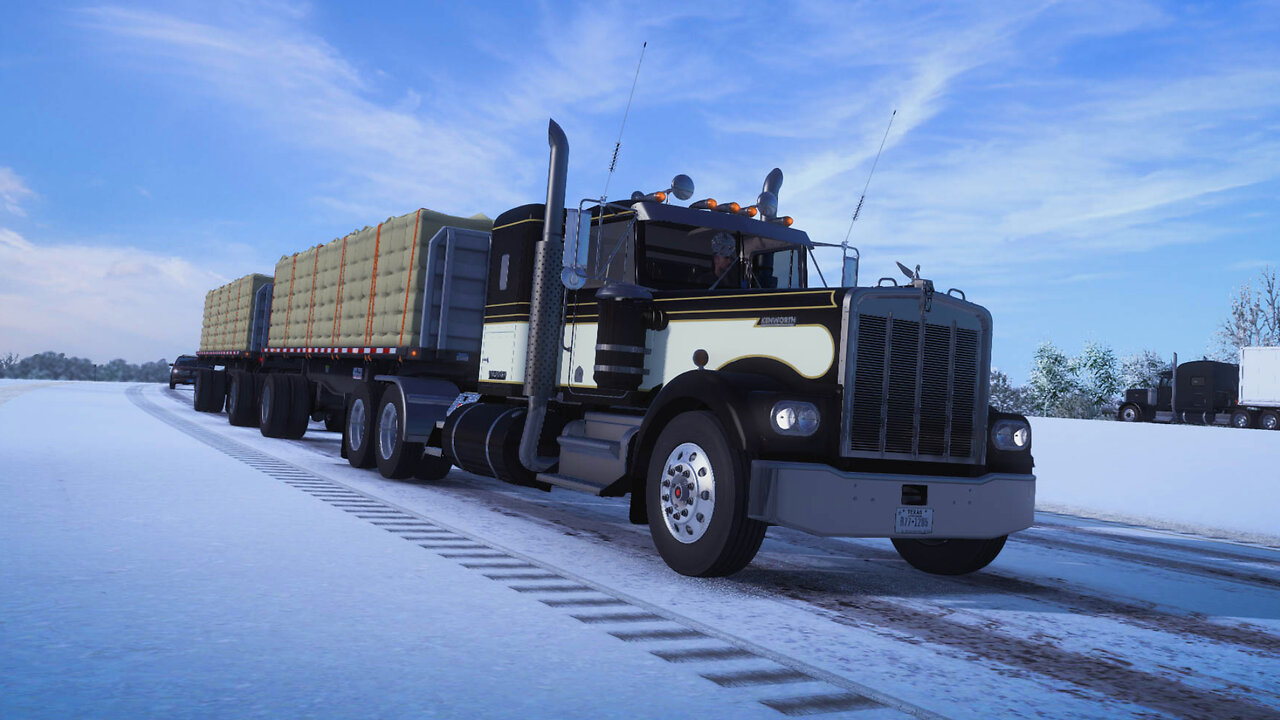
[(1129, 414), (688, 493), (1241, 420), (388, 430), (355, 425), (1269, 422)]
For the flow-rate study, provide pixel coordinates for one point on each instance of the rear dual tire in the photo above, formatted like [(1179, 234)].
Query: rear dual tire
[(284, 406), (242, 399), (210, 390)]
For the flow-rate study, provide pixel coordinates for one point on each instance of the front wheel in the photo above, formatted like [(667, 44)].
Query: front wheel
[(949, 557), (696, 495), (1130, 413)]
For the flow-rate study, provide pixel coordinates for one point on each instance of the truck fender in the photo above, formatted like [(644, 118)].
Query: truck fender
[(724, 394), (426, 402)]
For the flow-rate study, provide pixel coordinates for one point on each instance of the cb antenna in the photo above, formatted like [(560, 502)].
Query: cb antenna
[(618, 145), (858, 210)]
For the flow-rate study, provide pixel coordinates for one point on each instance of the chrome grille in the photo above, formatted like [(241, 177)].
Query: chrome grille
[(915, 388)]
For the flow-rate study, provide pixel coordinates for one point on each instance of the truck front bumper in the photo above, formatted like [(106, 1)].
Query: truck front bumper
[(822, 500)]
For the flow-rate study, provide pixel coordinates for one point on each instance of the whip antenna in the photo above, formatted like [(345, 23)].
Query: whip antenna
[(618, 145), (858, 209)]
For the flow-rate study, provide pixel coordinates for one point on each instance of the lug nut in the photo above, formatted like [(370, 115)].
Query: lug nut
[(666, 483), (666, 497), (706, 495), (700, 518)]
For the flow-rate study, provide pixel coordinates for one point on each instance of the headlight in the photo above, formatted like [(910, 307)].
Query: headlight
[(794, 417), (1011, 435)]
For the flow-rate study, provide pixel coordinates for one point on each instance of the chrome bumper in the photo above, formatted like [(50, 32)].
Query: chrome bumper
[(822, 500)]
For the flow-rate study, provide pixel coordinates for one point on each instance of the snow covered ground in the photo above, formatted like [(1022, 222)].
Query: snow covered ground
[(156, 562), (1213, 480)]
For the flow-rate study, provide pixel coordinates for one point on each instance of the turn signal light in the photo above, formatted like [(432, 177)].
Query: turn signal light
[(708, 204)]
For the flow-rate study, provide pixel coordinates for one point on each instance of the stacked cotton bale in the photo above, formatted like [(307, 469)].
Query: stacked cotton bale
[(228, 314), (362, 290)]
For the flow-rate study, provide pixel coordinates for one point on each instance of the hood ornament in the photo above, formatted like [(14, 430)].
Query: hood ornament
[(923, 284)]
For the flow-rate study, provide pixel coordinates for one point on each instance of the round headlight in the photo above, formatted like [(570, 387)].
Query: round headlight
[(1011, 435), (794, 417)]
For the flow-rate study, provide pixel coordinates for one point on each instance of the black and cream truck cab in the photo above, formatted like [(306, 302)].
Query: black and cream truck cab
[(684, 356)]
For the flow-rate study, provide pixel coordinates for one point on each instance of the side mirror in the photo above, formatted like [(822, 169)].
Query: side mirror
[(849, 277), (577, 245), (682, 187)]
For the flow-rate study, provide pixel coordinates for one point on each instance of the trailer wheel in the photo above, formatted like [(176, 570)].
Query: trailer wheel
[(1241, 419), (1269, 420), (299, 414), (273, 406), (1129, 413), (396, 458), (949, 557), (242, 399), (696, 495), (357, 437), (211, 390)]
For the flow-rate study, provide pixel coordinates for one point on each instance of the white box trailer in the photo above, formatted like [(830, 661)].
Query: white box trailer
[(1260, 376)]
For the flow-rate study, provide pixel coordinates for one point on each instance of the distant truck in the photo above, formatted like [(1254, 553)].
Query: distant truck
[(1207, 392), (680, 355)]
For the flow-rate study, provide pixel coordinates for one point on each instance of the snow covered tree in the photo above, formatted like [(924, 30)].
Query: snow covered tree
[(1052, 381), (1142, 370), (1254, 318), (1097, 378), (1006, 396)]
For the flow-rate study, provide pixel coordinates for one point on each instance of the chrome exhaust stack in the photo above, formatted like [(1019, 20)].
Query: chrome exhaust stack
[(545, 322)]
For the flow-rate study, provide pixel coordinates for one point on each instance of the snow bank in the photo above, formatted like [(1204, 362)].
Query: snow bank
[(1210, 480)]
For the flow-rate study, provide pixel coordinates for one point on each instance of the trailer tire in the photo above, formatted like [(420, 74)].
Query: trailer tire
[(1129, 413), (211, 390), (299, 415), (358, 428), (716, 538), (273, 406), (949, 557), (1269, 420), (1241, 418), (242, 399), (396, 458)]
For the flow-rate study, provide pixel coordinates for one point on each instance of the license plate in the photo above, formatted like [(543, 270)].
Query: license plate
[(913, 521)]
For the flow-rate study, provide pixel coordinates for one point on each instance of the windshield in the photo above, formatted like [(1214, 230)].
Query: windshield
[(682, 258), (185, 361)]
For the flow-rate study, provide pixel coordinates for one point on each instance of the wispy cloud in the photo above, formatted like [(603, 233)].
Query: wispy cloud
[(98, 302), (13, 192)]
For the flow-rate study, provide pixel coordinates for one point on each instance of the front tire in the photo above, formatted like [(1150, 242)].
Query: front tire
[(696, 496), (1129, 413), (949, 557), (396, 458)]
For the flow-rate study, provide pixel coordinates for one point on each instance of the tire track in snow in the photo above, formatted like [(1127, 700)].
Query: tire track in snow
[(822, 591), (826, 692)]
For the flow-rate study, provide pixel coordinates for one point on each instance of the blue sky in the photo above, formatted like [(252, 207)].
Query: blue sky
[(1090, 171)]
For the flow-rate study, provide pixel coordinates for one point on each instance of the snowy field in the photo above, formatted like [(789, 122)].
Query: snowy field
[(157, 562)]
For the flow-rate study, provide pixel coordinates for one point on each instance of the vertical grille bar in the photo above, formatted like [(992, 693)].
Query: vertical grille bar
[(868, 384), (900, 400), (965, 395)]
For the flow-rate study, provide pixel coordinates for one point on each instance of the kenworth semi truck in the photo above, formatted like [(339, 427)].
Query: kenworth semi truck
[(679, 356)]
